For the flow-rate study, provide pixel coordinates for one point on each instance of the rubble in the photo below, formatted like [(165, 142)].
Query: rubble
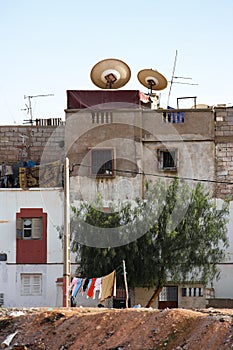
[(114, 329)]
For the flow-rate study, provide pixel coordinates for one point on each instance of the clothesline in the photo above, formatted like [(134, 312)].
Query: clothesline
[(105, 286)]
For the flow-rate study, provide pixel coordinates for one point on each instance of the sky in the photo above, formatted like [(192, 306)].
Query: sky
[(50, 46)]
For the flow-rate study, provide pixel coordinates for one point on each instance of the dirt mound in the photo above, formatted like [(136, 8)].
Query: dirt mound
[(114, 329)]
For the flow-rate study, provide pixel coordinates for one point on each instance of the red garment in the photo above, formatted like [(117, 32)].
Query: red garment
[(90, 292)]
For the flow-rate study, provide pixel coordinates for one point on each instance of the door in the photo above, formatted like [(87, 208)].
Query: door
[(168, 297)]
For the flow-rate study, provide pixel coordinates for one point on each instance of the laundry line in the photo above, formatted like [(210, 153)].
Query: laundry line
[(97, 287)]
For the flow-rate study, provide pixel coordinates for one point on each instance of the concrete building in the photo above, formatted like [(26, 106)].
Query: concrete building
[(115, 142), (117, 147)]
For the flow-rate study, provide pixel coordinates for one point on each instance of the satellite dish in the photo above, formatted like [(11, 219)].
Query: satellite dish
[(152, 79), (110, 74)]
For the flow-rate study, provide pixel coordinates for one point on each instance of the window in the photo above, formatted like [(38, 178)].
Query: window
[(32, 228), (168, 294), (101, 117), (3, 257), (173, 117), (184, 292), (31, 236), (31, 284), (192, 292), (167, 159), (102, 162), (1, 299)]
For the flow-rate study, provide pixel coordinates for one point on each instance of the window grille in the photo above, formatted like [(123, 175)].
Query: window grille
[(102, 162), (169, 293), (1, 299), (102, 117)]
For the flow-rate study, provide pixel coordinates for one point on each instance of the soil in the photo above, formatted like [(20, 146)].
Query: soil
[(117, 329)]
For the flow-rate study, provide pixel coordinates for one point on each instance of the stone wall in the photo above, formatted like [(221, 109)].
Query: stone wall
[(220, 303), (224, 152), (22, 143)]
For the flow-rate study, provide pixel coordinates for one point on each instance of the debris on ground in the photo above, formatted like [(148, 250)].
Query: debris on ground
[(117, 329)]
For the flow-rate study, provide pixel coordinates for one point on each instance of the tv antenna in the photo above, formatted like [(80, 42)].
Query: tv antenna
[(29, 106), (175, 77)]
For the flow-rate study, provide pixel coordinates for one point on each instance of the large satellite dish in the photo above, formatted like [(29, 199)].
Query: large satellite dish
[(152, 79), (110, 74)]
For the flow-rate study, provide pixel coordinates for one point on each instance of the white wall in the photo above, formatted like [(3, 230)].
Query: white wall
[(224, 286), (11, 201)]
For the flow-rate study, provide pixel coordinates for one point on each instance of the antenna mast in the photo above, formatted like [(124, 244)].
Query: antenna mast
[(174, 77), (29, 106)]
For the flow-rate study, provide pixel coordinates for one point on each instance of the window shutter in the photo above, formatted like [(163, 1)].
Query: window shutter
[(36, 285), (25, 285), (19, 227), (36, 228)]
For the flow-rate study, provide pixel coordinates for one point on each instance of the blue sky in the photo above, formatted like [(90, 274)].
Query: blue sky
[(50, 46)]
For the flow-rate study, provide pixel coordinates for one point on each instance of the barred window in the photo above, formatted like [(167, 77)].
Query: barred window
[(102, 162)]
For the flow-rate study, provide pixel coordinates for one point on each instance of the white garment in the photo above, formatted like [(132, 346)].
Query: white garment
[(98, 284)]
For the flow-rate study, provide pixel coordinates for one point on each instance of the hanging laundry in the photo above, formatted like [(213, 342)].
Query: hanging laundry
[(97, 287), (89, 284), (81, 289), (85, 285), (77, 288), (73, 284), (108, 286), (90, 292)]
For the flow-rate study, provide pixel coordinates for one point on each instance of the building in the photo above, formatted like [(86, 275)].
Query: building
[(115, 142), (31, 199)]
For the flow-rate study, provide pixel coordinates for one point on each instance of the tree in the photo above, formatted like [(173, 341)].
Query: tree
[(176, 234)]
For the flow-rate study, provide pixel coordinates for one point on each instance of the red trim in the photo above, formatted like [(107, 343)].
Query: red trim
[(32, 251)]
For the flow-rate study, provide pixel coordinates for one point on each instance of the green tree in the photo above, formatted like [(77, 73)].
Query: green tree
[(176, 234)]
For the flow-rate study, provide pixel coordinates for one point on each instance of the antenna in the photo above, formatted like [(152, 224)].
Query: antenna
[(29, 106), (175, 77)]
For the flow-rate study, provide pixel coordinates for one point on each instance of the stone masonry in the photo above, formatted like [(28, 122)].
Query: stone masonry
[(224, 152), (22, 143)]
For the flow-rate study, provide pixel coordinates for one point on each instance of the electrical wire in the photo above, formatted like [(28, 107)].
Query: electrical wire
[(157, 175)]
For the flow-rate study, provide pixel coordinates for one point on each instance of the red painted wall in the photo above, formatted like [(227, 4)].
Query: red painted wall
[(32, 251)]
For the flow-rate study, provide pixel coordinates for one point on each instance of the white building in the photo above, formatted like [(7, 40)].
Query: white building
[(31, 254)]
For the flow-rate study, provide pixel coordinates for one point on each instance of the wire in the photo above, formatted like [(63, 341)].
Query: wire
[(157, 175)]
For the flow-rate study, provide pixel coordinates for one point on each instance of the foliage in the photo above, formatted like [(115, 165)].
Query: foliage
[(176, 234)]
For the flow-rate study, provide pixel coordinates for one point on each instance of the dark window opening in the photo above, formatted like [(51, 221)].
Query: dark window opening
[(102, 162), (167, 159), (3, 257), (184, 292)]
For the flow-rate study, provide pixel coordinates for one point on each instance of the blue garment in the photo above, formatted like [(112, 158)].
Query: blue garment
[(77, 288), (89, 284)]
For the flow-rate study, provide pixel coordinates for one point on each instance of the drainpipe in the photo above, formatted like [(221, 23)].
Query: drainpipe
[(66, 243)]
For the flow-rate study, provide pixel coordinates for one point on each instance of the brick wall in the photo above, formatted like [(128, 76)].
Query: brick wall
[(224, 152), (220, 303), (23, 143)]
